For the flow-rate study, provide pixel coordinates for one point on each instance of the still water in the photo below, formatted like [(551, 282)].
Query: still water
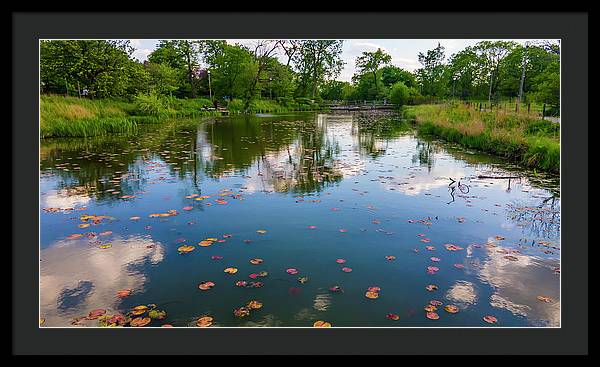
[(327, 206)]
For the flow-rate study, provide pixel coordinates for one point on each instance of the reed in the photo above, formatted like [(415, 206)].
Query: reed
[(532, 142)]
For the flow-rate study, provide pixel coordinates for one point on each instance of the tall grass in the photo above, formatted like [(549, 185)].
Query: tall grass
[(62, 116), (79, 117), (529, 141)]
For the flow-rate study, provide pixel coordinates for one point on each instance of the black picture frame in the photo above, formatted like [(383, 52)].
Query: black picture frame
[(570, 338)]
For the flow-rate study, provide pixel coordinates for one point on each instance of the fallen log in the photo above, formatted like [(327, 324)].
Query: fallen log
[(498, 177)]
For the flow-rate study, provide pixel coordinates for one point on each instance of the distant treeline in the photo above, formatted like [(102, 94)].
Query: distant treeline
[(214, 69)]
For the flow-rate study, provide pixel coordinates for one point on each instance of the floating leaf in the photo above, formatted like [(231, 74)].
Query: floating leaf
[(230, 270), (451, 308), (390, 257), (490, 319), (205, 321), (431, 287), (432, 315), (545, 299), (140, 321), (312, 227), (205, 243), (346, 270), (340, 261), (103, 247), (430, 308), (254, 305), (256, 261), (157, 314), (393, 316), (451, 247), (241, 312), (336, 289), (138, 310), (371, 295), (74, 236), (186, 248), (261, 231), (320, 323), (123, 293), (204, 286), (292, 271), (94, 314)]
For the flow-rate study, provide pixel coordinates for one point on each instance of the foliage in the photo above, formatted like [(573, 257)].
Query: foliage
[(399, 94), (514, 136), (102, 68), (370, 62)]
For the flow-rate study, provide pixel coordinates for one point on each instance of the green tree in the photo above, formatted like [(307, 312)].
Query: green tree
[(370, 62), (316, 61), (399, 94), (162, 78), (102, 67), (493, 54), (336, 90), (391, 74), (431, 74), (181, 55)]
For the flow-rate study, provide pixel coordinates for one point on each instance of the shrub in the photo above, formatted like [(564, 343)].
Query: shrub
[(399, 94), (151, 104)]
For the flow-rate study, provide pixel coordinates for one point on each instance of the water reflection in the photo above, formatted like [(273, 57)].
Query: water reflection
[(356, 160), (76, 277), (518, 279)]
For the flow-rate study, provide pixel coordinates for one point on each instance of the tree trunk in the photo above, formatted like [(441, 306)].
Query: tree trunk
[(490, 90), (375, 80)]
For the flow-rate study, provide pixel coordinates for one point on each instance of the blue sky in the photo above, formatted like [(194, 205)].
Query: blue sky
[(403, 51)]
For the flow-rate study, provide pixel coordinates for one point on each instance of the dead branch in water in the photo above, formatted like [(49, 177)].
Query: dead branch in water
[(499, 177)]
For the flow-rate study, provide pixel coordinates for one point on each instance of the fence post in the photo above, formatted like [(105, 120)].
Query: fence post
[(528, 107)]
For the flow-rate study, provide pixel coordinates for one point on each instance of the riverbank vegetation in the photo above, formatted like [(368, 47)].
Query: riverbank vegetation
[(97, 87), (517, 137)]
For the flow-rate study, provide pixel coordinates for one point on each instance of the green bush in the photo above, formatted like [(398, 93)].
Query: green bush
[(151, 104), (399, 94)]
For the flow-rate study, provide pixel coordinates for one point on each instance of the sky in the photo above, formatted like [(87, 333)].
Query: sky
[(404, 52)]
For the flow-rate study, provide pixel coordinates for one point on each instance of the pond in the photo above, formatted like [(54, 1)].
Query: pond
[(348, 218)]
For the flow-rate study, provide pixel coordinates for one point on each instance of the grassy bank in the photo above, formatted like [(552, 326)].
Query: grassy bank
[(532, 142), (62, 116)]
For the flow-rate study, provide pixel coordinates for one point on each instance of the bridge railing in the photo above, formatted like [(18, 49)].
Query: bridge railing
[(333, 103)]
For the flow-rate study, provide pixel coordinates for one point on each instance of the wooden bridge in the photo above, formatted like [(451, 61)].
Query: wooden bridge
[(359, 105)]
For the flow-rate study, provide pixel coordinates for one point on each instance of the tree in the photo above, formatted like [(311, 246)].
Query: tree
[(493, 53), (231, 68), (104, 68), (336, 90), (263, 52), (290, 47), (391, 74), (431, 74), (162, 78), (182, 55), (371, 62), (399, 94), (317, 60)]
